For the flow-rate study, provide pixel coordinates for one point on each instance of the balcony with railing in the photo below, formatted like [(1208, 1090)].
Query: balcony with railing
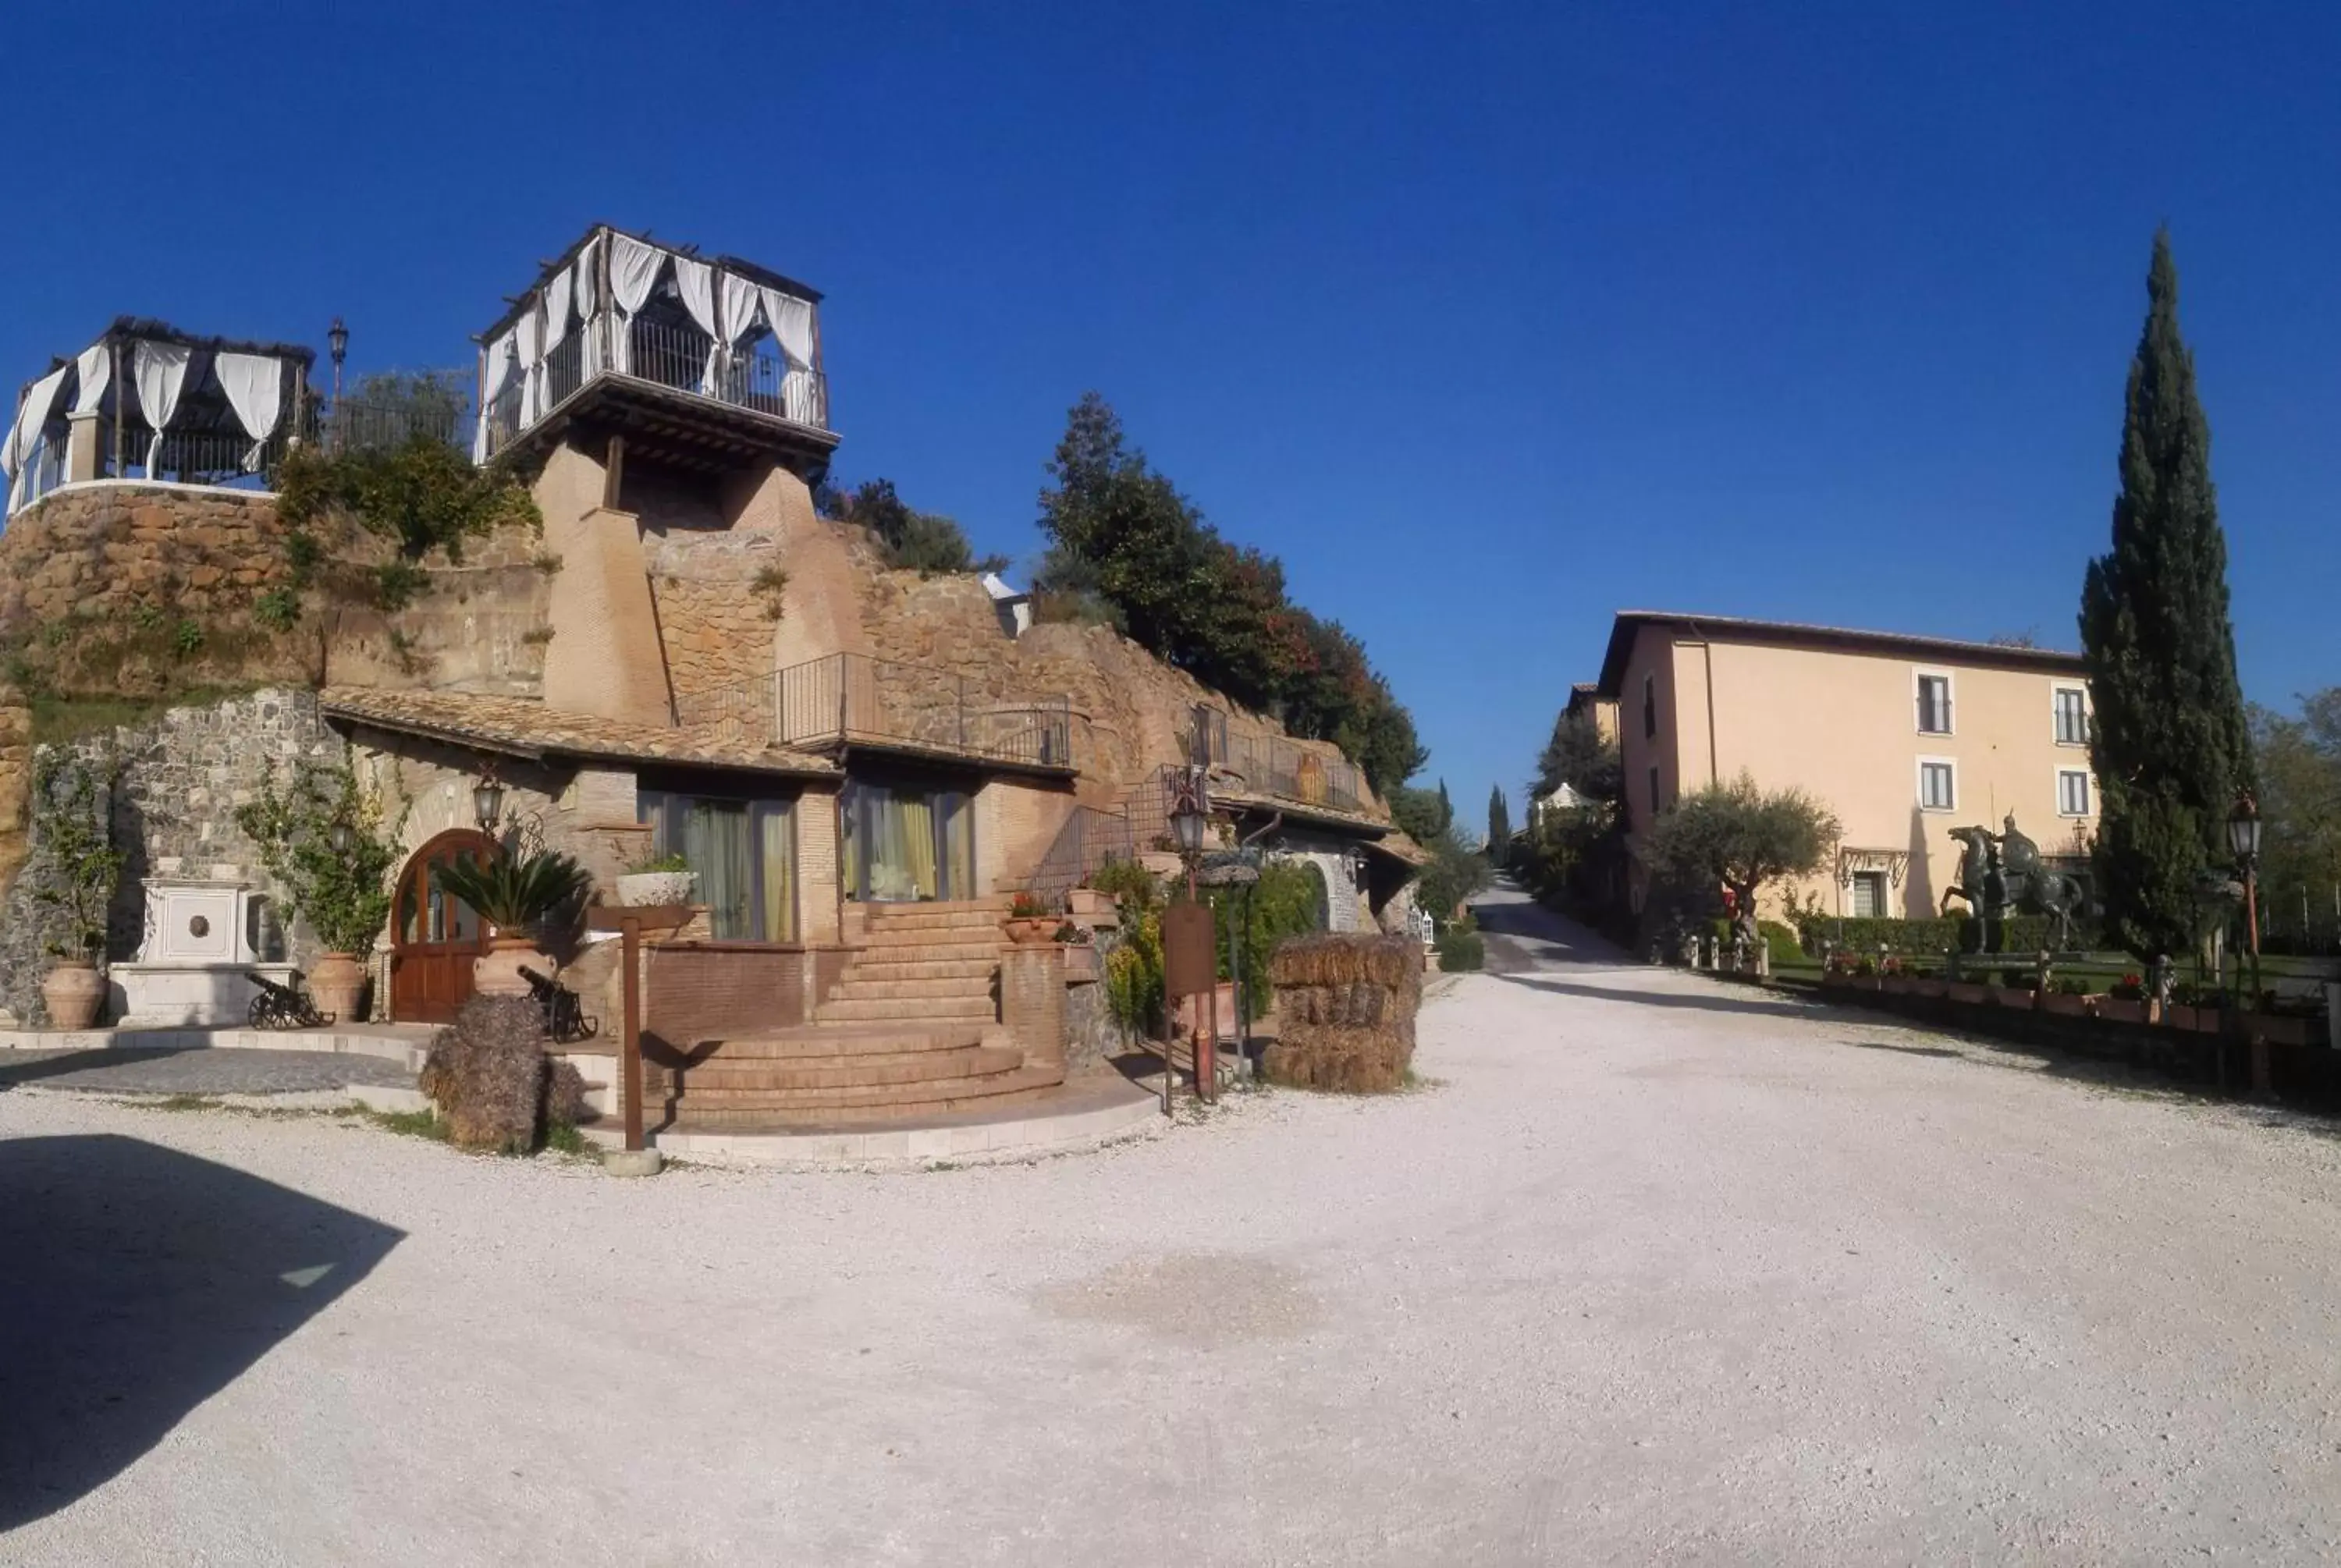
[(699, 362), (849, 701), (1278, 768)]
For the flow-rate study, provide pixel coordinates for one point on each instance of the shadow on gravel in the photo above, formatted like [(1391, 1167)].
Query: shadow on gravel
[(15, 1073), (1907, 1050), (135, 1282), (1687, 1001)]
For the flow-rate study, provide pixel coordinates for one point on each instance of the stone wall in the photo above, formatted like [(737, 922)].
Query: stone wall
[(182, 775), (716, 625)]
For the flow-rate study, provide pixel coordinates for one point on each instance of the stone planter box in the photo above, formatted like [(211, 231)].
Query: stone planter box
[(655, 889), (1922, 988), (1868, 982), (2121, 1009), (1834, 978), (2020, 998), (1162, 863), (2070, 1006), (2202, 1020), (1088, 901), (2284, 1028), (1895, 985), (1081, 963), (1968, 992)]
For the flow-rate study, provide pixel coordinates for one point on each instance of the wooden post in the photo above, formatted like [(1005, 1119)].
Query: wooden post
[(613, 473), (631, 1065)]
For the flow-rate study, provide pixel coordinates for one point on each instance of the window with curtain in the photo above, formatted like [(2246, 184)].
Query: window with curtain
[(744, 852), (908, 844)]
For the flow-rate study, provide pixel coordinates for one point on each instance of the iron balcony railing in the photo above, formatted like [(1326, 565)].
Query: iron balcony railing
[(1090, 840), (1284, 769), (681, 359), (854, 699)]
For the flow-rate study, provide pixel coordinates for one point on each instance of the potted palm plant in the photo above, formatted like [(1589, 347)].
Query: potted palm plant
[(515, 894), (75, 883)]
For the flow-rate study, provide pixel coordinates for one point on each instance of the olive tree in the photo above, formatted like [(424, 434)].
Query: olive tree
[(1739, 837)]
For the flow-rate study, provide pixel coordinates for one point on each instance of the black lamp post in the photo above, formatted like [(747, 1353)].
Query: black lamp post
[(2244, 838), (337, 345), (1190, 820), (339, 837), (488, 802)]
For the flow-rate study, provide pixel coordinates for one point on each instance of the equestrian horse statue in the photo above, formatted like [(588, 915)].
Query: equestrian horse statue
[(2003, 871)]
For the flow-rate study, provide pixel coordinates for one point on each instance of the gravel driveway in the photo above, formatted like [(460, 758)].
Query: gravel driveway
[(1653, 1270)]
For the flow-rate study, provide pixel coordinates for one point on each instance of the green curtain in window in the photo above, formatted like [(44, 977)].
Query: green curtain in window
[(958, 848), (776, 825), (917, 815), (717, 844)]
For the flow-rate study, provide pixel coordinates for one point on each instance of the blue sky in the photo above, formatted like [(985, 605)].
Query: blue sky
[(1488, 320)]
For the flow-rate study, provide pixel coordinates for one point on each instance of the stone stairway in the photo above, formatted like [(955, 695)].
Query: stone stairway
[(911, 1029)]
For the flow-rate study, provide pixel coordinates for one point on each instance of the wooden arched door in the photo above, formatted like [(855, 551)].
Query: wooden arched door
[(434, 935)]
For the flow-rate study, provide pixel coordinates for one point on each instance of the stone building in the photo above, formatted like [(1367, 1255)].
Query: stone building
[(859, 764)]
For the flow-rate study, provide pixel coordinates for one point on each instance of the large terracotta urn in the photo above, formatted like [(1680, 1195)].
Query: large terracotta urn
[(337, 984), (73, 992), (497, 971)]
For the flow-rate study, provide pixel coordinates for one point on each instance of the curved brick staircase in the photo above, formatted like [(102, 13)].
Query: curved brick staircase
[(911, 1029)]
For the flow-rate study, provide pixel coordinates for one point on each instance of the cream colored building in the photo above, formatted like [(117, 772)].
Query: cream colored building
[(1906, 738)]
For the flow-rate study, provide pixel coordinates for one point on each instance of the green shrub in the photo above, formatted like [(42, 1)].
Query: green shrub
[(1914, 938), (1780, 943), (278, 609), (2017, 977), (1130, 882), (1462, 949)]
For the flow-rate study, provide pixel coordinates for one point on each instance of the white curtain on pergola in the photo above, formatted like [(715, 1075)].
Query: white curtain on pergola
[(254, 386), (635, 268), (160, 372), (25, 435), (498, 370), (791, 323), (695, 282)]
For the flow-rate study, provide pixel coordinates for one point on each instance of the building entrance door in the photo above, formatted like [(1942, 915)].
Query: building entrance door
[(434, 935)]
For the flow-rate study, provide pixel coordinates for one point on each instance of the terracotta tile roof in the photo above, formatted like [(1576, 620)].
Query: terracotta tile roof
[(521, 726)]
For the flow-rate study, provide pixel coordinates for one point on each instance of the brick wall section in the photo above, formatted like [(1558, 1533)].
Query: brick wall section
[(1033, 1001), (695, 994), (1016, 820), (818, 921)]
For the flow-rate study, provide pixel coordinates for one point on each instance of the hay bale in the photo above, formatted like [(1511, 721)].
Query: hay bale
[(565, 1095), (486, 1075), (1344, 1009)]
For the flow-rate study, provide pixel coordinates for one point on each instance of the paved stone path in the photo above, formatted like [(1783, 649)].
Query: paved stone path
[(1652, 1270), (198, 1072)]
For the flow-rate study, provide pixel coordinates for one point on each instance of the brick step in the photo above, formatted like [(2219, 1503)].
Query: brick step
[(859, 984), (928, 918), (718, 1076), (974, 1010), (694, 1100), (1022, 1087), (943, 944), (993, 904), (907, 966), (819, 1042)]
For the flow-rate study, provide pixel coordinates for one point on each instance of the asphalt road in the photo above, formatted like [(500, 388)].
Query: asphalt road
[(1653, 1269)]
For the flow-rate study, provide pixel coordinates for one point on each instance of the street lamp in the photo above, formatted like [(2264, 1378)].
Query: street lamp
[(2244, 838), (339, 837), (1189, 818), (337, 345), (488, 801)]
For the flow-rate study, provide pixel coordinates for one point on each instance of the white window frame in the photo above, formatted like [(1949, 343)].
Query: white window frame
[(1919, 678), (1951, 764), (2089, 794), (2056, 714)]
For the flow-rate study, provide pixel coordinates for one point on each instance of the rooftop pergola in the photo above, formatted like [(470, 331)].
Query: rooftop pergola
[(699, 362), (148, 400)]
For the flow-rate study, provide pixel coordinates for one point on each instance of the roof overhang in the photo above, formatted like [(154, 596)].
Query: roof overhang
[(1629, 624)]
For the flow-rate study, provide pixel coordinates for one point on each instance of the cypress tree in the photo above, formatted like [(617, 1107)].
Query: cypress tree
[(2169, 741), (1499, 824)]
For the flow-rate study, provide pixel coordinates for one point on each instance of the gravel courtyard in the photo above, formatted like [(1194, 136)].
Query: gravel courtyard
[(1649, 1269)]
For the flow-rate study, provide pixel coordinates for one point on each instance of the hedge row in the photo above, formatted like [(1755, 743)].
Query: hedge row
[(1930, 938)]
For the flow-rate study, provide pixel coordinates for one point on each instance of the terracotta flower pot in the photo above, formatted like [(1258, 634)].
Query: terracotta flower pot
[(653, 889), (73, 992), (1030, 932), (337, 984), (497, 971)]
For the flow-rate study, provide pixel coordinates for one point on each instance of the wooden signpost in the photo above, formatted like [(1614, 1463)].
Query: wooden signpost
[(1191, 967)]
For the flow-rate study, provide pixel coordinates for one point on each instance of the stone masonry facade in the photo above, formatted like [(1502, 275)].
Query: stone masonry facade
[(180, 777)]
